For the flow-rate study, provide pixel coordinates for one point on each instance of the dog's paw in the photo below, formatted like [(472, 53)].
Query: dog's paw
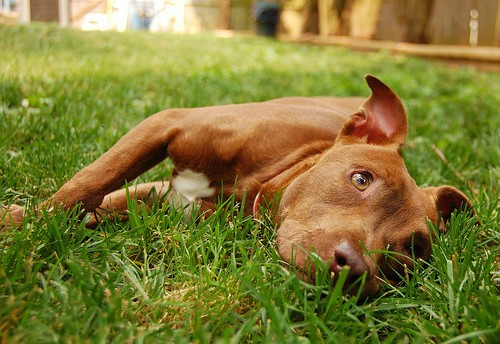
[(11, 215)]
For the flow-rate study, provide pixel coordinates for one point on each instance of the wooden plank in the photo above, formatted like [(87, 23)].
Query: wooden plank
[(457, 52), (324, 12), (87, 9)]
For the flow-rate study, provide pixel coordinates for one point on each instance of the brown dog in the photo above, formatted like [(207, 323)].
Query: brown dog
[(346, 193)]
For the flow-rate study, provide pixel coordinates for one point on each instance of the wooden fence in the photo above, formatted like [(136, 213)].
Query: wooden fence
[(416, 21), (453, 22)]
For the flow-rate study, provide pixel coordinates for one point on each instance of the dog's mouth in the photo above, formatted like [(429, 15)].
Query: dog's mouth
[(350, 271), (341, 264), (361, 285)]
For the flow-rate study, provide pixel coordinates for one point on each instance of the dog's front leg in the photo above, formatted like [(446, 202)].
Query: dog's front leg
[(115, 204), (139, 150)]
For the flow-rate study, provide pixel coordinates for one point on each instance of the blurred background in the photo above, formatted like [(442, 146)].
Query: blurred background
[(448, 22)]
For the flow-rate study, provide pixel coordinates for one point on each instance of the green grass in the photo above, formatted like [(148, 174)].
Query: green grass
[(67, 96)]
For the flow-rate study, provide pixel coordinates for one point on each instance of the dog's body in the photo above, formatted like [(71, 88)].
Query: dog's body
[(346, 191)]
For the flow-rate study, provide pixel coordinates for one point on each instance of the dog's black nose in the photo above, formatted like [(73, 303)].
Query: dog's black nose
[(351, 255)]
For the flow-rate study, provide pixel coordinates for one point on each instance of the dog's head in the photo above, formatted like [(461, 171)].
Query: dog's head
[(358, 200)]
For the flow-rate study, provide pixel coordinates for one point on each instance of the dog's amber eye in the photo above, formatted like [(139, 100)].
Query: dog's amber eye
[(360, 181)]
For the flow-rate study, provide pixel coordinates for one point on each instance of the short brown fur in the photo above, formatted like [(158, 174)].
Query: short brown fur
[(346, 191)]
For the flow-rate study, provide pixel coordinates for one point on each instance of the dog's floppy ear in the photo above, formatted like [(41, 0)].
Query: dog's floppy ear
[(447, 200), (380, 120)]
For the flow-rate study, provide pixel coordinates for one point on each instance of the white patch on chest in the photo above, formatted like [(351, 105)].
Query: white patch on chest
[(192, 185)]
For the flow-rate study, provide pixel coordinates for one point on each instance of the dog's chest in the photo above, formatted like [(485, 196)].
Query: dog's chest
[(191, 186)]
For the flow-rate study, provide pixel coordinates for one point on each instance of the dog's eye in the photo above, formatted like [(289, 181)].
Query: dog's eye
[(360, 180)]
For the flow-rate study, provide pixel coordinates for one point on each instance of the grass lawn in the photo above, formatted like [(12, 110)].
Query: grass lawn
[(67, 96)]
